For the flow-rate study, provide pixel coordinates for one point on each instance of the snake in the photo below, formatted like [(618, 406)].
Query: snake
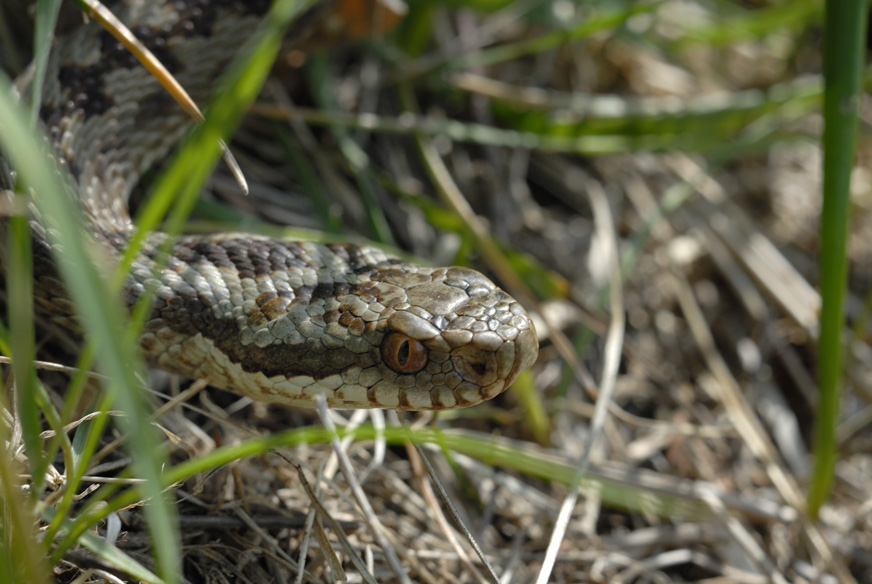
[(275, 320)]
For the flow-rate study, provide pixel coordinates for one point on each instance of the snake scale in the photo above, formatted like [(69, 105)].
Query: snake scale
[(278, 321)]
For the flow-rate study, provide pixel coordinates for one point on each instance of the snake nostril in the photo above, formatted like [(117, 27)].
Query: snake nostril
[(478, 368), (475, 366)]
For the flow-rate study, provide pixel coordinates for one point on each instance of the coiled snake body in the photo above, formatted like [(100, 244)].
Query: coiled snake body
[(275, 320)]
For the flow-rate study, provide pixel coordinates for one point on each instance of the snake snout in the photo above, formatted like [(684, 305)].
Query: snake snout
[(493, 363), (501, 342)]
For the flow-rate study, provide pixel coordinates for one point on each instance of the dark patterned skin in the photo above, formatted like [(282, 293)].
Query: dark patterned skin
[(275, 320)]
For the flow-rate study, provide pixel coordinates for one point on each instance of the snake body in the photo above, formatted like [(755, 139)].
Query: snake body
[(275, 320)]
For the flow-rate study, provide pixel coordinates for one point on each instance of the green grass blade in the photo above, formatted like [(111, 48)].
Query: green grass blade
[(19, 290), (743, 121), (21, 556), (108, 552), (673, 499), (752, 23), (844, 50), (100, 312), (591, 24), (46, 18), (20, 279)]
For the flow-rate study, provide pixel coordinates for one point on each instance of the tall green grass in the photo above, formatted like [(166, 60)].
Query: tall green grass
[(844, 56)]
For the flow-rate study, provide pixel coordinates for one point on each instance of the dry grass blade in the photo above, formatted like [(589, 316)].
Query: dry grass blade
[(371, 519), (418, 459), (611, 361), (746, 540), (321, 512)]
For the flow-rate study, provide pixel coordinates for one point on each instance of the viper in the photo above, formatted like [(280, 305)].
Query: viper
[(280, 321)]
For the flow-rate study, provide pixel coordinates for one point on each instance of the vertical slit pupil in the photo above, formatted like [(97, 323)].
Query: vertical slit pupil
[(403, 353)]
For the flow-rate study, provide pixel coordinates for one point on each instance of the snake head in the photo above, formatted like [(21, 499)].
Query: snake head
[(452, 339), (289, 321)]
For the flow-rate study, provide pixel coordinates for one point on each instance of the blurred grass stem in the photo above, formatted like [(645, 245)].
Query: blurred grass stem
[(844, 37)]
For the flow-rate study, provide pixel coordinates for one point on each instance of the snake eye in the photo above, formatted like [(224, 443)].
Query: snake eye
[(402, 353)]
